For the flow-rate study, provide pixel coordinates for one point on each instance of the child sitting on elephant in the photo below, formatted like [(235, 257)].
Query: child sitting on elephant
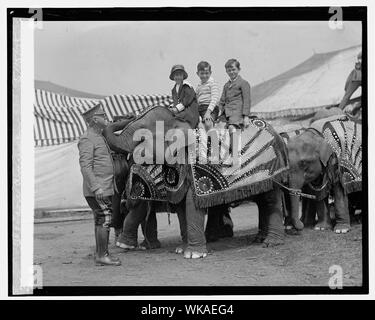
[(235, 100), (185, 106), (207, 95)]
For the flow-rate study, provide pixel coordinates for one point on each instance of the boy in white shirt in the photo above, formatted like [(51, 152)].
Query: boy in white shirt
[(207, 93)]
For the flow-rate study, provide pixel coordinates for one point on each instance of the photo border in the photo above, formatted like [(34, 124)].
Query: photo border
[(355, 13)]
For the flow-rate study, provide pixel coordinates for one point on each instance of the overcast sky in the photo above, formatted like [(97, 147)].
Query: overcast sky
[(136, 57)]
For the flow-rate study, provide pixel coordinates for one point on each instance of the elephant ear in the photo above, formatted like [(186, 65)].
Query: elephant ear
[(325, 152)]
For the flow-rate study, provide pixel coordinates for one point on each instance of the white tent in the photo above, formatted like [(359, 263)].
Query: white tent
[(317, 82), (58, 180)]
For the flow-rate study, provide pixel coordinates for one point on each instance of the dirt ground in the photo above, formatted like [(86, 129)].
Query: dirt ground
[(65, 252)]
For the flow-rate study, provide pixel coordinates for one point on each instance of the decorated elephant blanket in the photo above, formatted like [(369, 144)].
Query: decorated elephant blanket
[(215, 177), (345, 138)]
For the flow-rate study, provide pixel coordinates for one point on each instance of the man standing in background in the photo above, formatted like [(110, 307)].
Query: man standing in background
[(98, 180), (353, 81)]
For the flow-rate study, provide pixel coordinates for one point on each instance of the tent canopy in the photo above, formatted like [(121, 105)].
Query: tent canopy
[(317, 82)]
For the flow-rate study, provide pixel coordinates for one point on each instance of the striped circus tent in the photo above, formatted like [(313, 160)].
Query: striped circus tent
[(57, 117)]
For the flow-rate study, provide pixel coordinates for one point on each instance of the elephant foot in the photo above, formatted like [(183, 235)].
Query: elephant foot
[(227, 231), (259, 238), (356, 219), (272, 242), (127, 247), (322, 226), (211, 238), (150, 245), (292, 231), (194, 254), (342, 228), (180, 249), (297, 223)]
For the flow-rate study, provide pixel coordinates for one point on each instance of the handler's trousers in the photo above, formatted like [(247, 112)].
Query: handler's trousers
[(102, 210)]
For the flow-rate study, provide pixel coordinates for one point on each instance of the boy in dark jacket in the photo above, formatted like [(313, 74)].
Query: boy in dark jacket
[(235, 100)]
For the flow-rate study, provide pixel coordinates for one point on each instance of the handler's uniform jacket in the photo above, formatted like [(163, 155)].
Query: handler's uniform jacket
[(235, 100), (97, 171), (184, 99), (96, 164)]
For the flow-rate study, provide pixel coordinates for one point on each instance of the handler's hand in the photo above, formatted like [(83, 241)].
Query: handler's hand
[(207, 117), (246, 121), (99, 194)]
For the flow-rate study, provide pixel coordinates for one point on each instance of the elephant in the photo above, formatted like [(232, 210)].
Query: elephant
[(121, 162), (325, 160), (314, 168), (191, 215)]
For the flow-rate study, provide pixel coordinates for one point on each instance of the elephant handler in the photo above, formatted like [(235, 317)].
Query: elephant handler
[(98, 180), (353, 81)]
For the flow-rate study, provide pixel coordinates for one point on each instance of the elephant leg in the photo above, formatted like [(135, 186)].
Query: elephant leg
[(324, 219), (195, 229), (219, 223), (354, 204), (227, 223), (117, 215), (129, 236), (285, 201), (213, 224), (341, 210), (308, 212), (262, 223), (150, 231), (181, 214), (271, 208)]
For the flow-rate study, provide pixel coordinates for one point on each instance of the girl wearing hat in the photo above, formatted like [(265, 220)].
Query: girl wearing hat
[(185, 105)]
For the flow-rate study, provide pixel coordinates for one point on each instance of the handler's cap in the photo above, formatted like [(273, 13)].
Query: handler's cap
[(359, 56), (96, 110), (178, 67)]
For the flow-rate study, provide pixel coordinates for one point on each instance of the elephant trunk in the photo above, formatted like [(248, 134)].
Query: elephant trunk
[(296, 183), (119, 143)]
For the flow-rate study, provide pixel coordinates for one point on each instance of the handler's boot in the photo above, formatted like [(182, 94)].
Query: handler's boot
[(102, 257)]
